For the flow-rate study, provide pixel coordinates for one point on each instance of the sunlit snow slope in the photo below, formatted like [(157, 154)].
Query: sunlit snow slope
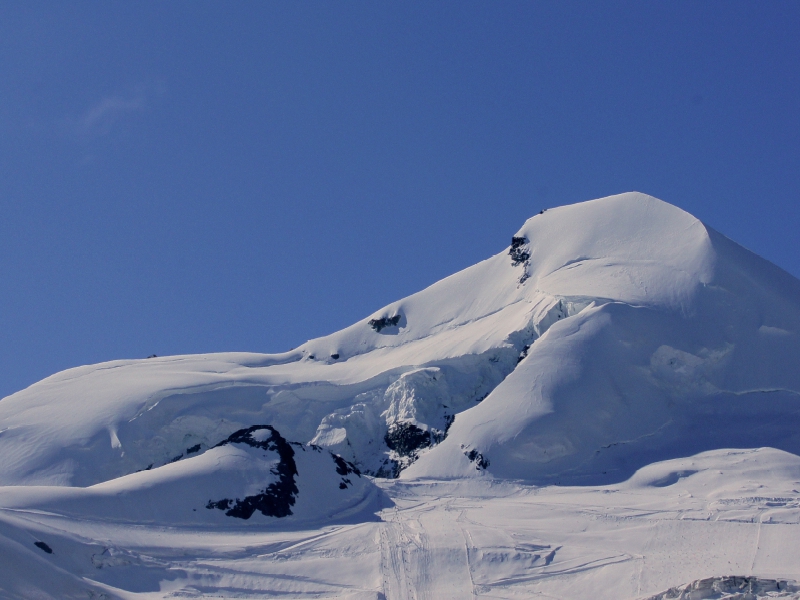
[(611, 334)]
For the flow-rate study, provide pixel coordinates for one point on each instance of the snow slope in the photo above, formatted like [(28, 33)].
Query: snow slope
[(612, 340), (253, 475)]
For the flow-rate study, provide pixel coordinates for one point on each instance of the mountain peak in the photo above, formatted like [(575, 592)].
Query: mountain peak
[(607, 333)]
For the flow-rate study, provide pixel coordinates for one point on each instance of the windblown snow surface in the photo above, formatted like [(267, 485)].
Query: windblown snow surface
[(609, 408)]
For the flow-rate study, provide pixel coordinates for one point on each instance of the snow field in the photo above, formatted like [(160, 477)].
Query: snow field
[(724, 512)]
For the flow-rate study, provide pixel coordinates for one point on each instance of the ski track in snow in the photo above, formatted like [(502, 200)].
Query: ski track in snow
[(459, 539)]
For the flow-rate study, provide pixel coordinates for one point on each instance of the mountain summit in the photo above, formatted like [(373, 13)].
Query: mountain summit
[(610, 334)]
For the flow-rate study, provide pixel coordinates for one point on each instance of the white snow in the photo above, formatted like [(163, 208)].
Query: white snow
[(613, 416), (716, 514)]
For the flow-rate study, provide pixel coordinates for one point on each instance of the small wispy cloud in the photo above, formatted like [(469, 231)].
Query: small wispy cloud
[(109, 110)]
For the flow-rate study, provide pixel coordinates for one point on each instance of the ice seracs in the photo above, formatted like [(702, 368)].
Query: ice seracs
[(731, 588)]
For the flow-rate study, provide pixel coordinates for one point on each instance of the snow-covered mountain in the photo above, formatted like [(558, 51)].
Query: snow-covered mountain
[(611, 334), (609, 338)]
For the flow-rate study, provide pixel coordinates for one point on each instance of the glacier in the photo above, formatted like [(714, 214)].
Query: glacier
[(621, 367)]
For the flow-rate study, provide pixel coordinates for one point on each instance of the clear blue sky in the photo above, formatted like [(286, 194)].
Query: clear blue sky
[(181, 177)]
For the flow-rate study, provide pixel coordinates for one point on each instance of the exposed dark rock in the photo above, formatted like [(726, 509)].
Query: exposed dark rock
[(278, 497), (390, 469), (407, 438), (519, 252), (478, 458), (438, 435), (335, 356), (448, 421), (517, 241), (344, 467), (153, 356), (524, 353), (193, 449), (223, 504), (378, 324), (520, 255), (43, 546)]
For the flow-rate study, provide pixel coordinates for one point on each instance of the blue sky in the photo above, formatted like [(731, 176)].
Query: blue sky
[(181, 177)]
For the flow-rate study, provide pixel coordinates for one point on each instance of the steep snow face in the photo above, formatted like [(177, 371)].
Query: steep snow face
[(609, 334)]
